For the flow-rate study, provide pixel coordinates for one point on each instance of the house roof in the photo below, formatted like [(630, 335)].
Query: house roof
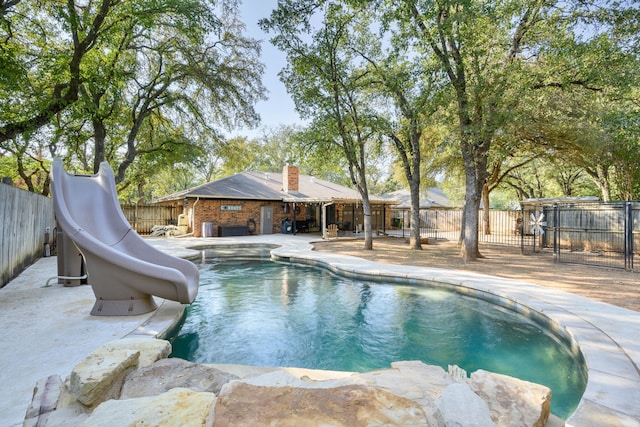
[(435, 198), (269, 186)]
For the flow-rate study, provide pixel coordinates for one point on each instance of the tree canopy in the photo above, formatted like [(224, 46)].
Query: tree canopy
[(120, 80)]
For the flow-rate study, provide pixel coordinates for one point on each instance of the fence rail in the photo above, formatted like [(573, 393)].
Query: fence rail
[(24, 217), (441, 224)]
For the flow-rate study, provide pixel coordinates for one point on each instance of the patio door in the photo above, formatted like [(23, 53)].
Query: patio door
[(266, 220)]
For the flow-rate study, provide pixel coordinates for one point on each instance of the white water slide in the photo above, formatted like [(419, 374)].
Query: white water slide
[(122, 268)]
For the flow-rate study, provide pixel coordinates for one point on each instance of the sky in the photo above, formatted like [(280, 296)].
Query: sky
[(279, 108)]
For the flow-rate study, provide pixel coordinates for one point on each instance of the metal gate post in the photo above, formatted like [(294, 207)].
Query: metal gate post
[(556, 233), (521, 229), (628, 236)]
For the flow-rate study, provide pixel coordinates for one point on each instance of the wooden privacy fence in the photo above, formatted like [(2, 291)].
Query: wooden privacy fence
[(143, 217), (24, 217)]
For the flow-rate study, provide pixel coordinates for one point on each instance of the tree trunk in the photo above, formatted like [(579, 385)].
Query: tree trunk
[(414, 234), (603, 183), (366, 203), (486, 220), (141, 184), (99, 137), (600, 176), (368, 232), (462, 228), (475, 174), (470, 250)]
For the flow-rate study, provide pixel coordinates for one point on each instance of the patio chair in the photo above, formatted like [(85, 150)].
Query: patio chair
[(332, 231)]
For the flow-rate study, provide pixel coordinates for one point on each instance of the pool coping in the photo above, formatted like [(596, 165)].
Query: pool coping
[(605, 334)]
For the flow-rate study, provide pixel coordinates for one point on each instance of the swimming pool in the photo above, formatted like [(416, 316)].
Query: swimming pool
[(259, 312)]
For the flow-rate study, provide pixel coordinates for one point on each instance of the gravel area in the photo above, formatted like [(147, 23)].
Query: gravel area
[(613, 286)]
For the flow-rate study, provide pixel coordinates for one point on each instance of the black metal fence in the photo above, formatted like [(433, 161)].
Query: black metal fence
[(501, 226), (582, 232), (434, 223), (590, 233)]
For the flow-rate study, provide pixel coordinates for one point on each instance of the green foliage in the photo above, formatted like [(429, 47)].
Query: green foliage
[(328, 81), (149, 81), (162, 182), (26, 172), (544, 178), (622, 132)]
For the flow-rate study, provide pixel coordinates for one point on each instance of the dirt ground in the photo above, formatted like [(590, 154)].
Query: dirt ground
[(612, 286)]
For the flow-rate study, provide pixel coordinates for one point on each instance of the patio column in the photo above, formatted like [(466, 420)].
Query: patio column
[(324, 219)]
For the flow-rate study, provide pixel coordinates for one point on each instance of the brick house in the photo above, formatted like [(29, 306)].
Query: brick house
[(267, 203)]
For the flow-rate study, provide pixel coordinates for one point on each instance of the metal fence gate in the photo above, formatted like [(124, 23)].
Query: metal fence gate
[(590, 233)]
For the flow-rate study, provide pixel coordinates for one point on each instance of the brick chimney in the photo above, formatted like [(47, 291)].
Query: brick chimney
[(290, 178)]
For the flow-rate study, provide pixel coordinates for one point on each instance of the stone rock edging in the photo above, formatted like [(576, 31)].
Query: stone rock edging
[(131, 381)]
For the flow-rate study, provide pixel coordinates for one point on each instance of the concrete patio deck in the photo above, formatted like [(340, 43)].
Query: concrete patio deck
[(48, 330)]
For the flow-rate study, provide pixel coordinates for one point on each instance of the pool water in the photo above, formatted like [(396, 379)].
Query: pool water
[(265, 313)]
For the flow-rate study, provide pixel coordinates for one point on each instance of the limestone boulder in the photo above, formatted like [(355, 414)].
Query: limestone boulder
[(67, 416), (153, 390), (281, 378), (459, 406), (151, 349), (166, 374), (431, 380), (512, 402), (99, 377), (242, 404), (413, 380), (176, 407)]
